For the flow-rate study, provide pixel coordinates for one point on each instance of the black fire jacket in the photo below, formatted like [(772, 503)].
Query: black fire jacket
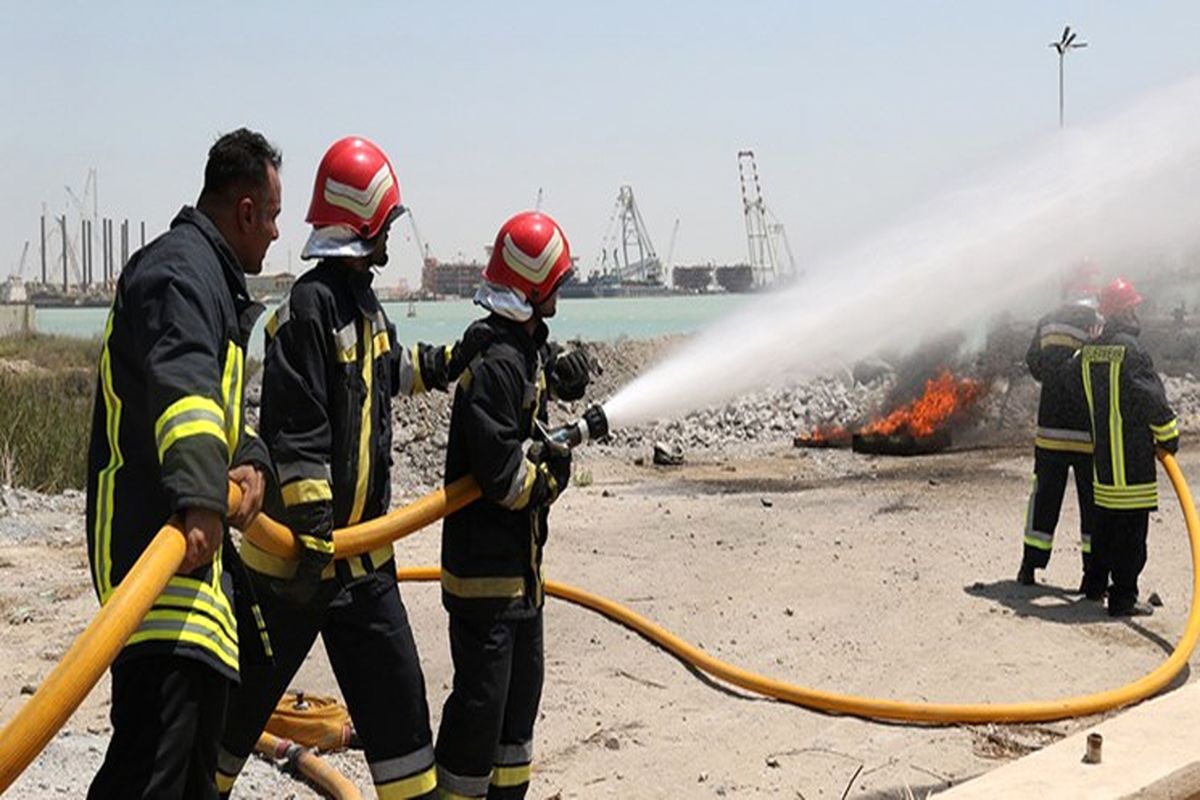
[(166, 426), (331, 368), (1130, 415), (1062, 422), (492, 549)]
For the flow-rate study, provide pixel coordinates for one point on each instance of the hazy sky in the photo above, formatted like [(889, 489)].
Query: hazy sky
[(856, 111)]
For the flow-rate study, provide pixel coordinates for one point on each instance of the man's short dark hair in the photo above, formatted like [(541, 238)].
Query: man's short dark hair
[(237, 164)]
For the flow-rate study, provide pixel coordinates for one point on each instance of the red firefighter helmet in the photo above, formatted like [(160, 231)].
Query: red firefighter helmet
[(531, 255), (1118, 296), (355, 197), (1081, 281)]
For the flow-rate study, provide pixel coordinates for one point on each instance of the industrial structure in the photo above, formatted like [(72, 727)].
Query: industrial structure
[(765, 236), (626, 253)]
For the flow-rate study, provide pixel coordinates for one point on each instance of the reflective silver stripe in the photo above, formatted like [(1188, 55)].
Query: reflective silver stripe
[(1066, 330), (1086, 539), (303, 469), (346, 337), (378, 322), (182, 417), (408, 372), (1064, 434), (1048, 538), (283, 314), (198, 600), (518, 484), (393, 769), (179, 628), (466, 785), (514, 753), (228, 763)]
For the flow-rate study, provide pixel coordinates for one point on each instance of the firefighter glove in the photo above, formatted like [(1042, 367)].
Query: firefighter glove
[(553, 475), (569, 374)]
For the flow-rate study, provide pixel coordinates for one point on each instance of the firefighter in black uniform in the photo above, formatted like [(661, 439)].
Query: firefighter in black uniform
[(166, 429), (492, 583), (331, 369), (1130, 418), (1064, 437)]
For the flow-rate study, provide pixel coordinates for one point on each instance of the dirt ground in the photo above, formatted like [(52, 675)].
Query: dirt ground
[(880, 576)]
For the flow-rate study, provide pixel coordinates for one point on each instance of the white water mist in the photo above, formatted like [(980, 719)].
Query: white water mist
[(1124, 188)]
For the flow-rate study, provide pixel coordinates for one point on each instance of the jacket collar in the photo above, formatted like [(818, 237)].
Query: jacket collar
[(516, 331), (247, 310), (358, 284)]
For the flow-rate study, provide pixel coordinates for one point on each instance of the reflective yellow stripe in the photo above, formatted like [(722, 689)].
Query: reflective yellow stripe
[(184, 405), (522, 499), (482, 587), (1061, 340), (188, 637), (418, 377), (383, 345), (199, 427), (415, 786), (307, 490), (225, 782), (195, 618), (1116, 432), (1062, 445), (504, 777), (364, 433), (1166, 431), (231, 392), (315, 543), (106, 479)]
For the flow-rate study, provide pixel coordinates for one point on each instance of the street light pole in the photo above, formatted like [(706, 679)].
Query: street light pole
[(1067, 42)]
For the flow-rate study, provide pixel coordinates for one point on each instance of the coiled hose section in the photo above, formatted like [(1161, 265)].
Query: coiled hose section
[(69, 682)]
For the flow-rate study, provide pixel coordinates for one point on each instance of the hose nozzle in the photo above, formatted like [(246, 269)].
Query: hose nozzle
[(591, 426)]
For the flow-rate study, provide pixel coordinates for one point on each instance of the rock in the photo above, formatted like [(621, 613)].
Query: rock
[(666, 455), (1155, 600)]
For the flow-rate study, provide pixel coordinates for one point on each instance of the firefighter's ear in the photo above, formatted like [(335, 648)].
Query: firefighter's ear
[(246, 213)]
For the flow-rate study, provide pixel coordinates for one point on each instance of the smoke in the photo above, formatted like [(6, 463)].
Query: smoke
[(1114, 192)]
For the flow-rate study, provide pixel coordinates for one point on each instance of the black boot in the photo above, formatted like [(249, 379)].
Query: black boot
[(1131, 610), (1025, 575)]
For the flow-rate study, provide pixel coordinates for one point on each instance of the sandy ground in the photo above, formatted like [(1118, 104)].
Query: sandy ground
[(885, 577)]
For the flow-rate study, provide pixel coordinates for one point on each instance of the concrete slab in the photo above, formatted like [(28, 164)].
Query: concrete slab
[(1150, 751)]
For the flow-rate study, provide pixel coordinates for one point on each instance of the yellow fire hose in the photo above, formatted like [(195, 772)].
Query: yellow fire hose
[(60, 694), (331, 782)]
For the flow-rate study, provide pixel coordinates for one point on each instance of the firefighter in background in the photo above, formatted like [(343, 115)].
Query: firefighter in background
[(1130, 417), (1064, 437), (331, 368), (492, 583), (166, 429)]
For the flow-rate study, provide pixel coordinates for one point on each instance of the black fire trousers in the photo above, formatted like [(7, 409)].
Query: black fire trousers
[(1119, 554), (374, 658), (1045, 504), (167, 713), (485, 743)]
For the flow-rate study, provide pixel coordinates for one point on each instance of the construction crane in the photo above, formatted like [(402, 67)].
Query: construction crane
[(20, 272), (764, 232), (626, 253), (671, 247)]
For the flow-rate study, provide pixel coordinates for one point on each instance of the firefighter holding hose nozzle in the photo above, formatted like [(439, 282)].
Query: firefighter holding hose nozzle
[(492, 584)]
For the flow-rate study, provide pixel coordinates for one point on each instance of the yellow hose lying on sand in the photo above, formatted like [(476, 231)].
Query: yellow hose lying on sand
[(331, 782), (60, 694), (932, 713)]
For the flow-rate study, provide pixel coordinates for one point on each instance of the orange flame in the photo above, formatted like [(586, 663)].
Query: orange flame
[(945, 398)]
